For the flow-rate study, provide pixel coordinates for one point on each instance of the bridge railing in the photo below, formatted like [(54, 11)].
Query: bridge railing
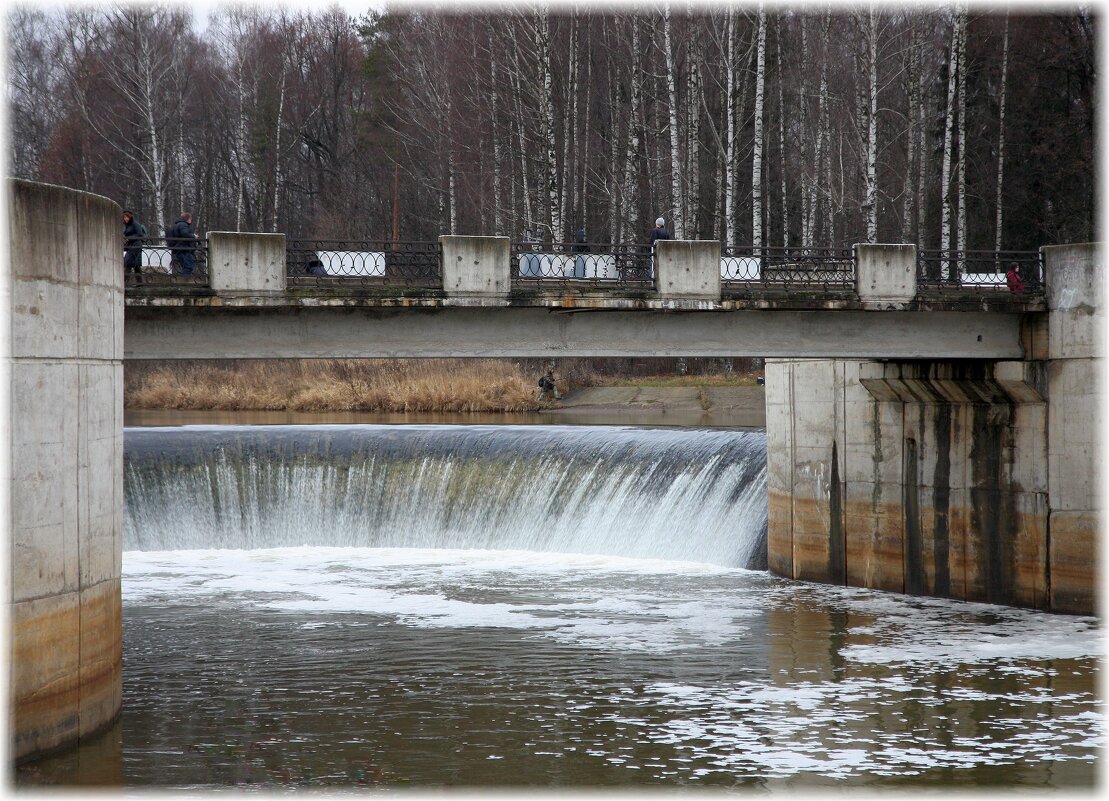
[(959, 271), (367, 262), (583, 265), (167, 262), (750, 269)]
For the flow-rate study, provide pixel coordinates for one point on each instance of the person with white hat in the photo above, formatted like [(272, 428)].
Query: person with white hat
[(660, 232)]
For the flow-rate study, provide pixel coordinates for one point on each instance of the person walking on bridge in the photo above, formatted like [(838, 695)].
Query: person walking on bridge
[(133, 233), (181, 240), (660, 232)]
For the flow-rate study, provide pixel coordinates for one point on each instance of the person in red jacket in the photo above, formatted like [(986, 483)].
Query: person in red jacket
[(1013, 280)]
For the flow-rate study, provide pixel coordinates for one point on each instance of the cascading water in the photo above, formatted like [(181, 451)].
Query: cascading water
[(693, 495)]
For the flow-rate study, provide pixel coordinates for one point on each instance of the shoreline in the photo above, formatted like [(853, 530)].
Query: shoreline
[(635, 405)]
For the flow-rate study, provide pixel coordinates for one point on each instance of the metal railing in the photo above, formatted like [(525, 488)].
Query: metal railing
[(157, 261), (330, 262), (582, 265), (977, 270), (771, 269)]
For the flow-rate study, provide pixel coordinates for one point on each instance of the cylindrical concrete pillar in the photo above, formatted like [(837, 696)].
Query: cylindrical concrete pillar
[(64, 464)]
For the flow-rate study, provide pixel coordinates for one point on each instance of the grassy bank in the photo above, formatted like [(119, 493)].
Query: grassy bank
[(379, 385)]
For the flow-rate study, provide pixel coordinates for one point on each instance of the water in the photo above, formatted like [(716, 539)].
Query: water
[(429, 606)]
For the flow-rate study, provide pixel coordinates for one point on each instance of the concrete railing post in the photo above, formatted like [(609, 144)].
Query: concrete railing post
[(885, 275), (246, 262), (1075, 401), (63, 465), (688, 269), (476, 266)]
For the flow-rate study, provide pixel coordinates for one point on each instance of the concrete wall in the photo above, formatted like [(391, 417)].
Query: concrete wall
[(924, 478), (885, 275), (66, 464), (343, 331), (1076, 330), (688, 269), (476, 266), (248, 263)]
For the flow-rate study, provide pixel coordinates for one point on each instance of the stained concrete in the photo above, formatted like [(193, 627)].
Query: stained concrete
[(885, 275), (66, 464), (476, 266), (969, 480), (688, 269), (246, 262), (297, 330)]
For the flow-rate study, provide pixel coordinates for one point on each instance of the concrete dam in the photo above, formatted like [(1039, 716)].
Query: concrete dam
[(914, 443)]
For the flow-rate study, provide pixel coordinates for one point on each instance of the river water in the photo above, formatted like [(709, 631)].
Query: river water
[(573, 606)]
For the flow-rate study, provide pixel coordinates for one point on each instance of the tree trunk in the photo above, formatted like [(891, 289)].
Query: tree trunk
[(632, 151), (1001, 134), (693, 132), (908, 193), (756, 160), (948, 128), (677, 202), (962, 173), (782, 135), (872, 132), (732, 135)]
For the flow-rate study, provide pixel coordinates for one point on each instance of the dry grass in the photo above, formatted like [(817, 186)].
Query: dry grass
[(376, 385), (380, 385)]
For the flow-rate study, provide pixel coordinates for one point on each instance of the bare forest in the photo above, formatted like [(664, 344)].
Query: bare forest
[(774, 126)]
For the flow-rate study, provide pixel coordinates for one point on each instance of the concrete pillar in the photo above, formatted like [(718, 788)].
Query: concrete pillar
[(925, 478), (1076, 326), (885, 275), (248, 263), (65, 464), (476, 266), (688, 269)]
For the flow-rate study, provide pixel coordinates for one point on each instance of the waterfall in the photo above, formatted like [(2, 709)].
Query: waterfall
[(694, 495)]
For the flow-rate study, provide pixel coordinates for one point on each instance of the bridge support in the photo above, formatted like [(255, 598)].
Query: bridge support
[(969, 479), (476, 268), (63, 466)]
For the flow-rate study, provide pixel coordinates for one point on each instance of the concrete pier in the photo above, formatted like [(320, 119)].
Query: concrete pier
[(66, 465), (970, 479)]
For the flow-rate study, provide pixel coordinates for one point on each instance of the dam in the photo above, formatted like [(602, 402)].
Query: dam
[(853, 449)]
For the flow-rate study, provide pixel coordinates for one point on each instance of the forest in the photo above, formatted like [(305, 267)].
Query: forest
[(943, 126)]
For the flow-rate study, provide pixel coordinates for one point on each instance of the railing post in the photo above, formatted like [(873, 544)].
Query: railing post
[(246, 262), (688, 269), (885, 275), (476, 266)]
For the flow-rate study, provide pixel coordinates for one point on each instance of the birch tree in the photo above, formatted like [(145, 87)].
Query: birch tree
[(962, 120), (677, 202), (1001, 133), (757, 156), (871, 204), (948, 131)]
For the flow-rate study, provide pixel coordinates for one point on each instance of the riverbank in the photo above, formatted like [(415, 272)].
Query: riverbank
[(445, 386)]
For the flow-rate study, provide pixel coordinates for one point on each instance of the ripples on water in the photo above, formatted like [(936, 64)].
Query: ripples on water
[(319, 665)]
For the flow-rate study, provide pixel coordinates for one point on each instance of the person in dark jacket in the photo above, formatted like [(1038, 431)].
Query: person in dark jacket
[(181, 241), (133, 233), (660, 232), (547, 385)]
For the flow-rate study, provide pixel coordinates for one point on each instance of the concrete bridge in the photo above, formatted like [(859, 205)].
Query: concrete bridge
[(919, 442), (480, 308)]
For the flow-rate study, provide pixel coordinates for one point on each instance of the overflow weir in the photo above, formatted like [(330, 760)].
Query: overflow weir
[(695, 495)]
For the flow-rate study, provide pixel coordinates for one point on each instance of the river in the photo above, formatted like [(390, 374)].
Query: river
[(574, 606)]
